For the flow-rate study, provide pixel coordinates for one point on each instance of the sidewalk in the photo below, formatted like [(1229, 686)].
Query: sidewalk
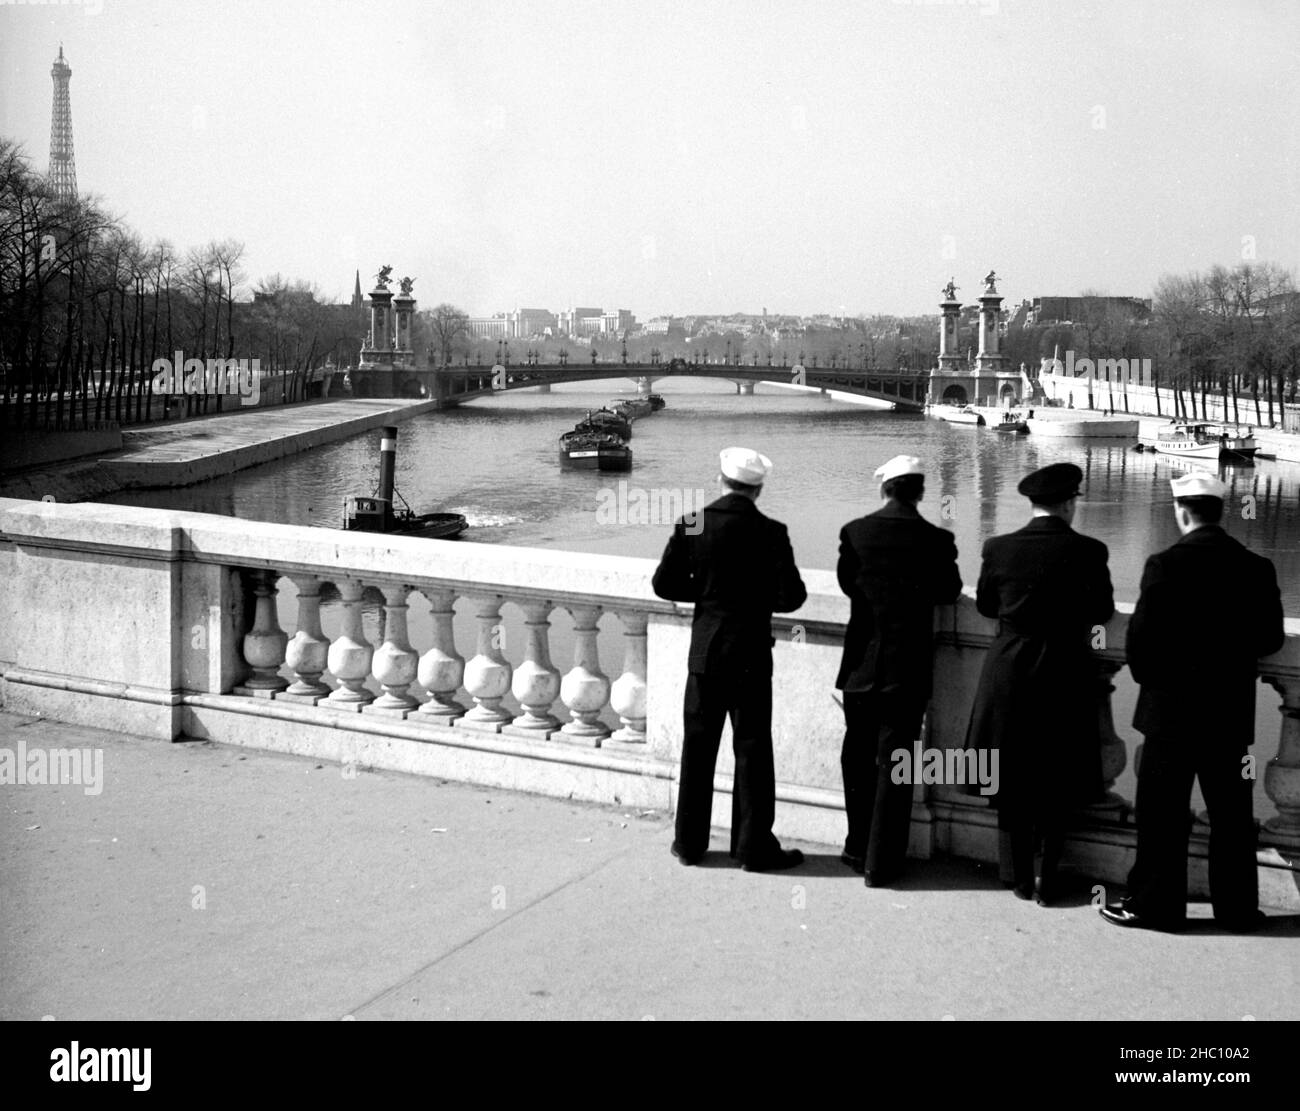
[(220, 883)]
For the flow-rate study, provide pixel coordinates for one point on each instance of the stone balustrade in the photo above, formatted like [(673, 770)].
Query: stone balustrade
[(534, 669)]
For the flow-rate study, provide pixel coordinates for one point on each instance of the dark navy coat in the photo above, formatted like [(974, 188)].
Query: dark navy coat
[(895, 566), (1037, 701), (737, 567), (1208, 609)]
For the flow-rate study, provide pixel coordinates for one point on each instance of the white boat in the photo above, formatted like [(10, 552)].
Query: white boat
[(956, 414), (1191, 441)]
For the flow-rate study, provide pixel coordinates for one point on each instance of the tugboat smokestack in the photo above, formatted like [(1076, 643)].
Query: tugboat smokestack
[(387, 465)]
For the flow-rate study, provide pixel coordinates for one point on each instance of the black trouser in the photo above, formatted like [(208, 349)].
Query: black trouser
[(1024, 828), (1158, 881), (879, 811), (745, 697)]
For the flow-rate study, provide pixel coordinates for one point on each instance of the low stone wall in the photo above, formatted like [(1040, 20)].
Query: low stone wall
[(435, 657), (1282, 440)]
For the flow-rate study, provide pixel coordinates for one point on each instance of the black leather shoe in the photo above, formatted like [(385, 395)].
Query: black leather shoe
[(878, 878), (776, 862), (686, 858), (1023, 890), (1119, 914), (857, 863)]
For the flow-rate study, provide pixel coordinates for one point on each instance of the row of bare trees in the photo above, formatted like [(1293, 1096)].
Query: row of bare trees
[(87, 306), (1227, 333)]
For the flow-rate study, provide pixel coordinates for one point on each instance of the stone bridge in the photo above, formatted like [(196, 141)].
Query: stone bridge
[(904, 389)]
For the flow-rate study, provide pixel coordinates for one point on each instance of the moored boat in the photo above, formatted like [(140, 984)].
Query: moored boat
[(585, 450), (1234, 443), (1186, 439), (956, 414), (377, 513), (1010, 420)]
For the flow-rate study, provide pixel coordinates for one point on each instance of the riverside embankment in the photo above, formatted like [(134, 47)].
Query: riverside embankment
[(183, 453)]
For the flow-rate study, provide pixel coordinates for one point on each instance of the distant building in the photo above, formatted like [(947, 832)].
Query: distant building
[(1071, 310), (579, 321), (616, 322), (488, 327), (520, 324), (531, 322)]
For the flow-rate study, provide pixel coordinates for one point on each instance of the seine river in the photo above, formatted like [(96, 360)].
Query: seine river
[(494, 459)]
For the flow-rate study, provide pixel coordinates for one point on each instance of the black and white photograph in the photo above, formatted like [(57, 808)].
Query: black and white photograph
[(725, 511)]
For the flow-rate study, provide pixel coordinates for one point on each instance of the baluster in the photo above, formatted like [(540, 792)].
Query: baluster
[(350, 654), (307, 651), (627, 695), (441, 668), (395, 662), (584, 690), (1282, 772), (537, 682), (265, 642), (1114, 753), (487, 675)]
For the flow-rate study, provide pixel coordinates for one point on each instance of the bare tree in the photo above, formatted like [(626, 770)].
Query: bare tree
[(448, 331)]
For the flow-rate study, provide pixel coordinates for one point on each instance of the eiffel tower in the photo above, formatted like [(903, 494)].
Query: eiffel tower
[(63, 169)]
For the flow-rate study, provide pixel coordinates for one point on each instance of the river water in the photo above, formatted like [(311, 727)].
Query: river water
[(494, 459)]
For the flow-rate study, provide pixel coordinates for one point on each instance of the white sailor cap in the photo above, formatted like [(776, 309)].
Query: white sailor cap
[(740, 464), (1198, 484), (899, 465)]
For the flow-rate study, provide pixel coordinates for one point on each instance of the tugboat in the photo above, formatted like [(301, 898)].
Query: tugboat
[(594, 451), (377, 514), (1011, 421), (656, 402), (1235, 446), (606, 420)]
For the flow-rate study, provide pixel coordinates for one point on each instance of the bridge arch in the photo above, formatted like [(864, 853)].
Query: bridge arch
[(955, 395)]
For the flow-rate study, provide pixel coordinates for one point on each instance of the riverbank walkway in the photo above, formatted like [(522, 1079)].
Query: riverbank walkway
[(179, 453), (210, 882)]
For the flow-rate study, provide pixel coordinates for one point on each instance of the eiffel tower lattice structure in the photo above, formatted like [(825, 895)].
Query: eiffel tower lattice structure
[(63, 168)]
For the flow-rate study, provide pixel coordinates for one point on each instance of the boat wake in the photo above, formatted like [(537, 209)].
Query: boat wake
[(484, 519)]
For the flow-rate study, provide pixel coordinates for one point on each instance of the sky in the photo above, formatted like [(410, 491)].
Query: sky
[(681, 156)]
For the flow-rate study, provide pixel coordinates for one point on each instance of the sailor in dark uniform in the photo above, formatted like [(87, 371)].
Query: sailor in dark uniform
[(1207, 611), (737, 567), (895, 567), (1036, 704)]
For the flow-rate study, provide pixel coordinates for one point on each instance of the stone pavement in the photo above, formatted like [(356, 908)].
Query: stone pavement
[(218, 883)]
